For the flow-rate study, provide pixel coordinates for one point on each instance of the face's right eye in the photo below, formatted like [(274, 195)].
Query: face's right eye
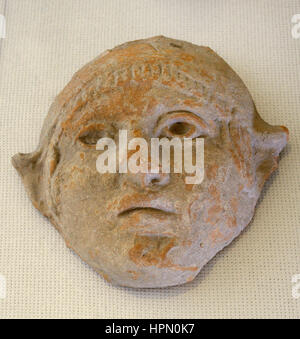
[(90, 135)]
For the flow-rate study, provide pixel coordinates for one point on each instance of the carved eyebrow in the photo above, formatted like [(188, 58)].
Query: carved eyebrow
[(181, 91), (92, 125), (197, 118), (188, 96)]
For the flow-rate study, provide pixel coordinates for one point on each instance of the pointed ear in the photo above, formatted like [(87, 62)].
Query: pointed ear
[(269, 142), (30, 168)]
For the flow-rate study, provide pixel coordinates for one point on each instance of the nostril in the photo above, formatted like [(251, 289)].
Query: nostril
[(154, 181)]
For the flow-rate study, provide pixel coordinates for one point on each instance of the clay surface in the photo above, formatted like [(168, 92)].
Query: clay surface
[(133, 230)]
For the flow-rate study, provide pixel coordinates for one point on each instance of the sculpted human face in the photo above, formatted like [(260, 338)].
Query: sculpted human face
[(152, 229)]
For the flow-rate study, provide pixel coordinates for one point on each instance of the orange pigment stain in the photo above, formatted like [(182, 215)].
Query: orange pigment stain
[(234, 204), (231, 222), (287, 132), (189, 187), (149, 251), (212, 171), (241, 151), (152, 251), (212, 215), (215, 193), (190, 278), (220, 109), (134, 275), (186, 57), (192, 103), (216, 236), (137, 133), (75, 168), (271, 169), (53, 165), (187, 243), (205, 74), (94, 254), (105, 277)]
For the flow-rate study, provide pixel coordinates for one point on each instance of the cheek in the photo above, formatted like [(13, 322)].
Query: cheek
[(80, 193), (216, 206), (79, 177)]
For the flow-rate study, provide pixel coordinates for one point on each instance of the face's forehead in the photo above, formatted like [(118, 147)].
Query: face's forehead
[(141, 101), (149, 77), (143, 79)]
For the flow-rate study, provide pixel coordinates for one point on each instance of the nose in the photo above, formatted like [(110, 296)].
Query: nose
[(155, 179), (148, 180)]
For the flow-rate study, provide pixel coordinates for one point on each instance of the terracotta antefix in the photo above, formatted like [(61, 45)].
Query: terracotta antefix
[(144, 229)]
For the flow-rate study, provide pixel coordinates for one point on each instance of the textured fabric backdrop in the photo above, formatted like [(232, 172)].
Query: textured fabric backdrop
[(47, 41)]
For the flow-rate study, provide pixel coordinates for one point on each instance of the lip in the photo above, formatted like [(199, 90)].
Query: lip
[(153, 209), (137, 202), (149, 231)]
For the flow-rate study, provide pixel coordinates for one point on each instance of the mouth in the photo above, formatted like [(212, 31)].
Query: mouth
[(152, 210), (147, 215), (145, 204)]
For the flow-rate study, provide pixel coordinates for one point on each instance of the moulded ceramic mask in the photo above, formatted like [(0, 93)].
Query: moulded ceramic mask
[(141, 230)]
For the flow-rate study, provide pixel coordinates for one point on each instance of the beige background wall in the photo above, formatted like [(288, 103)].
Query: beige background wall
[(47, 41)]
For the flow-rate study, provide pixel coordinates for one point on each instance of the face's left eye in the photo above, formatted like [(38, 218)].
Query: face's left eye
[(181, 124), (181, 129)]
